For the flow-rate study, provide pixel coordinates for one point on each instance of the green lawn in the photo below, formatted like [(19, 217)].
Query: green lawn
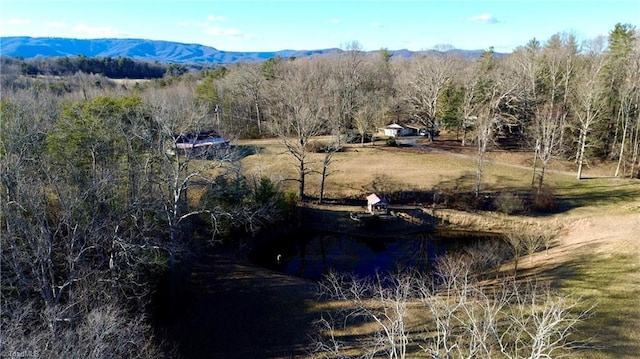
[(611, 284)]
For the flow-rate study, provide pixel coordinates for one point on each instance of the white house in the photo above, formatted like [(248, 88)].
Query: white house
[(396, 130), (393, 130)]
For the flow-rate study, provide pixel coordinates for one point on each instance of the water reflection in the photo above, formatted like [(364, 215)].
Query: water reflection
[(311, 254)]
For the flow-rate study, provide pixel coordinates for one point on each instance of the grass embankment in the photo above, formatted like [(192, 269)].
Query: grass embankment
[(596, 257), (611, 283)]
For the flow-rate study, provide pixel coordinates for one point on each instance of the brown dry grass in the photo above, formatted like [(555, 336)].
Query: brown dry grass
[(354, 170)]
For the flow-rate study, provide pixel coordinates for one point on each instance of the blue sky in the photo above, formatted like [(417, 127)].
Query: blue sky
[(270, 25)]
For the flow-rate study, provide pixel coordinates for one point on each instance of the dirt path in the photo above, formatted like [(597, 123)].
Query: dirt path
[(596, 234)]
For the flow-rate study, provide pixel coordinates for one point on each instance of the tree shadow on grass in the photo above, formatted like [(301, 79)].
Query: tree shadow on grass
[(457, 193), (597, 192), (613, 328), (236, 310)]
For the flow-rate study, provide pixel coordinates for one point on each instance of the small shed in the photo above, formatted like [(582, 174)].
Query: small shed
[(377, 204)]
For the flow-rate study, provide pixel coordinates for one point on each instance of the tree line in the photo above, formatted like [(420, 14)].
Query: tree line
[(560, 98), (95, 208), (115, 68)]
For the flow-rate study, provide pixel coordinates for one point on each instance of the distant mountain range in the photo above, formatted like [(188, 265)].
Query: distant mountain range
[(154, 50)]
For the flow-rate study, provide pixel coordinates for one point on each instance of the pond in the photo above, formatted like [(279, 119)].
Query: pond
[(312, 254)]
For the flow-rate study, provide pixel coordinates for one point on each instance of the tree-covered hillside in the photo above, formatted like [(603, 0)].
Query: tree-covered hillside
[(161, 51), (139, 49)]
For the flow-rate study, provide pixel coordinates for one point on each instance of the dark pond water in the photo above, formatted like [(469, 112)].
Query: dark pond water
[(311, 254)]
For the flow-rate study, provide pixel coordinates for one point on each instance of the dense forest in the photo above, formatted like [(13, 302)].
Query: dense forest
[(115, 68), (96, 212)]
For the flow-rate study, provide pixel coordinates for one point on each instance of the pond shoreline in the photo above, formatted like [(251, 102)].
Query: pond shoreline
[(409, 219), (337, 219), (326, 239)]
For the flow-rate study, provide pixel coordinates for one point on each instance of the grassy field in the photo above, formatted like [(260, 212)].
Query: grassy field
[(596, 258), (354, 171)]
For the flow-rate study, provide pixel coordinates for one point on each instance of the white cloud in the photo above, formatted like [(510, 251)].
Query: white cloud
[(202, 24), (226, 32), (485, 19), (56, 25), (18, 21), (89, 31), (220, 31), (334, 21), (216, 18), (210, 27)]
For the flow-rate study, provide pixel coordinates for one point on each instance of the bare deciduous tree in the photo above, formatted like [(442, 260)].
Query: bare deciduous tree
[(245, 89), (460, 317), (105, 331), (551, 114), (423, 84), (383, 300), (588, 100), (327, 160), (515, 239), (489, 97), (626, 62), (528, 238), (472, 85), (346, 80), (363, 121), (483, 137), (542, 323), (172, 174), (548, 127), (299, 111)]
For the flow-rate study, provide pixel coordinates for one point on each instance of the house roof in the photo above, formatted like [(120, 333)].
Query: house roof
[(394, 126), (375, 199), (195, 136), (201, 143), (199, 139)]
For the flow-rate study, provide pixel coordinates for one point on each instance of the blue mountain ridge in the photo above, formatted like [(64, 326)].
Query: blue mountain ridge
[(156, 50)]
